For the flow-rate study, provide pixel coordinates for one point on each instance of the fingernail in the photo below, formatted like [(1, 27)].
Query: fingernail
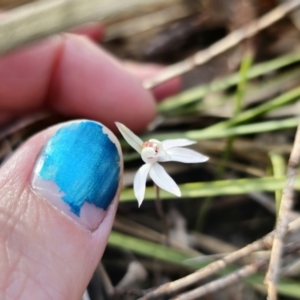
[(78, 172)]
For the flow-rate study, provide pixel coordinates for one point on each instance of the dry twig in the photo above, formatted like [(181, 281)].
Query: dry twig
[(107, 285), (282, 222), (177, 285), (230, 41), (233, 277), (222, 282)]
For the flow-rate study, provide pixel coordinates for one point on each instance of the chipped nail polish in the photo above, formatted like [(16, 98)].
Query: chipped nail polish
[(78, 171)]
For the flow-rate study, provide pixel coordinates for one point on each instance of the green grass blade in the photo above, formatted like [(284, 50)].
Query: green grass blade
[(279, 170), (147, 248), (286, 287), (262, 109), (217, 188), (202, 134), (241, 88), (276, 83), (199, 92), (238, 100)]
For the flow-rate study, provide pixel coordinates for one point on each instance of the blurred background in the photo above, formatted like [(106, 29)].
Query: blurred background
[(242, 108)]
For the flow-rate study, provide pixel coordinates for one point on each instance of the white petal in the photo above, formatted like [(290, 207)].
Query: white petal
[(139, 183), (163, 180), (134, 141), (186, 155), (163, 155), (167, 144)]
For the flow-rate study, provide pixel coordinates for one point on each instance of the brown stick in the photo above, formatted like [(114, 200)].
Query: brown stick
[(282, 222), (175, 286), (233, 277), (222, 282)]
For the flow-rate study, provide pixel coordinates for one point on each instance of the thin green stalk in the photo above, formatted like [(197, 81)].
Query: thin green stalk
[(241, 89), (279, 170), (240, 94), (260, 110)]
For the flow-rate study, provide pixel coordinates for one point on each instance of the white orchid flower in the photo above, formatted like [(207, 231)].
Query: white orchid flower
[(152, 152)]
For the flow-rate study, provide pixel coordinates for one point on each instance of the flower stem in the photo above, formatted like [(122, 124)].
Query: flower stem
[(160, 212)]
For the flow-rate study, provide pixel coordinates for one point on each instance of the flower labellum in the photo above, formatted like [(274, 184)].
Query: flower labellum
[(152, 153)]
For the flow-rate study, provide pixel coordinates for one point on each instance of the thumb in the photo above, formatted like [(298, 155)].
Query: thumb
[(58, 197)]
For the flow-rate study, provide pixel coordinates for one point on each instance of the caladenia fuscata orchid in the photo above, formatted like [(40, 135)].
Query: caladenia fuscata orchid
[(152, 153)]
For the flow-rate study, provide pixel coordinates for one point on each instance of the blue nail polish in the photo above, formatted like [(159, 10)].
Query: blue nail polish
[(80, 164)]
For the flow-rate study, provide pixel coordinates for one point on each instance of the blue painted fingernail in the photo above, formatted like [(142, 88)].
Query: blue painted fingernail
[(78, 171)]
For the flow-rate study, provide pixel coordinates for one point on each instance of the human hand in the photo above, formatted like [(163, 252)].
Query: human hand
[(75, 167)]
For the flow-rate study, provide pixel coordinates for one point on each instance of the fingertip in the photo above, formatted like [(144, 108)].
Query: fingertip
[(78, 171), (35, 229), (77, 79), (90, 83), (25, 75)]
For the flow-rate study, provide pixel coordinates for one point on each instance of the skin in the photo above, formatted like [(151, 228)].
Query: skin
[(43, 254)]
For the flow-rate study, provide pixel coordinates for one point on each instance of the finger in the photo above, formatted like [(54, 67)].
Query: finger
[(58, 197), (143, 71), (87, 72), (75, 77)]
